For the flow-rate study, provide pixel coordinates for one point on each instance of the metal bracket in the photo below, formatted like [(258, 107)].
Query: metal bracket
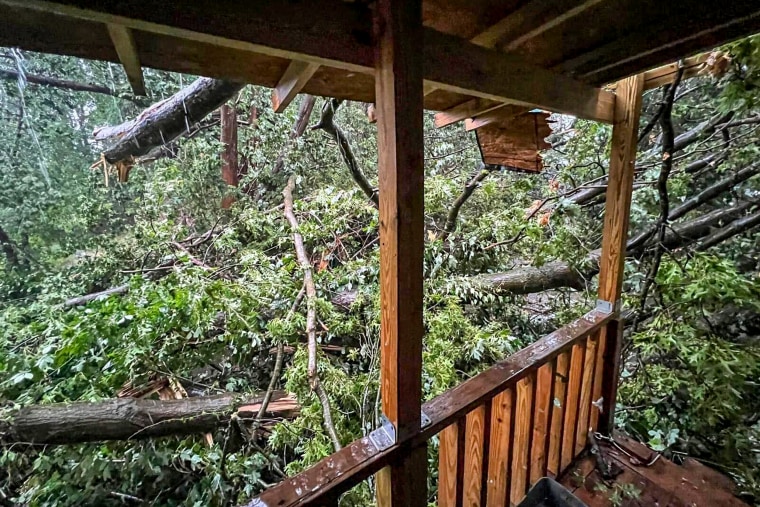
[(385, 436), (607, 306), (599, 404)]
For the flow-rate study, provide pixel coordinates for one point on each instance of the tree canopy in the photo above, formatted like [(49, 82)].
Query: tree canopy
[(236, 269)]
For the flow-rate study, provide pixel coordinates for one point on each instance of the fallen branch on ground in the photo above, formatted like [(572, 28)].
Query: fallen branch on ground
[(130, 418)]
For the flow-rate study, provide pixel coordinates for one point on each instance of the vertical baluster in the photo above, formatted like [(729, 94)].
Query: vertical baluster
[(541, 421), (473, 456), (596, 392), (521, 441), (558, 417), (571, 409), (451, 465), (500, 450), (587, 385)]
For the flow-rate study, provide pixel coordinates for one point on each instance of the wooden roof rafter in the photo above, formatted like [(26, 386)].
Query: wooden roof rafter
[(125, 46), (338, 35)]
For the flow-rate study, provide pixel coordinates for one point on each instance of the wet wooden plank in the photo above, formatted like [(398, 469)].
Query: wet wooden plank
[(451, 465), (587, 385), (541, 421), (559, 402), (502, 425), (575, 376), (473, 456), (521, 441)]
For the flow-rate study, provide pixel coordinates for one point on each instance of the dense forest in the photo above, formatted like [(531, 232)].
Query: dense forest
[(200, 276)]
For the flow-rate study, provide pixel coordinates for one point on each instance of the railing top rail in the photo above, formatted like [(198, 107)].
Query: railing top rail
[(344, 469)]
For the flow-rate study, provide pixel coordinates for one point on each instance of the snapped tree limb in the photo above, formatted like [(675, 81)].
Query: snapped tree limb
[(311, 315), (166, 120), (131, 418)]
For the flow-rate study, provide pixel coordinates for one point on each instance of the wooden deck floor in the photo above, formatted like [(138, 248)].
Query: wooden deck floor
[(663, 484)]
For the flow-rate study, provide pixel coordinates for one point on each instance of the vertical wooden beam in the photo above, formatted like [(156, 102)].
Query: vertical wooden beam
[(229, 140), (291, 83), (398, 92), (615, 234), (126, 49)]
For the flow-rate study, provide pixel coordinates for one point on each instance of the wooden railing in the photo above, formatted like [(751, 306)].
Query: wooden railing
[(525, 417)]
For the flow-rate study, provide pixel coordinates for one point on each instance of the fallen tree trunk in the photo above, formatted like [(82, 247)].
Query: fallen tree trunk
[(131, 418), (560, 274), (166, 120)]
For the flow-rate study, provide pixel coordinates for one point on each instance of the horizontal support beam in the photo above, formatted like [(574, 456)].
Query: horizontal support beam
[(530, 21), (344, 469), (505, 112), (339, 34), (462, 67), (291, 83), (465, 110)]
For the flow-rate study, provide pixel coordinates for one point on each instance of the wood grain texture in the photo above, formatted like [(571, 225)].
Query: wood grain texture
[(502, 425), (558, 417), (521, 440), (473, 456), (542, 411), (448, 454), (615, 231), (587, 386), (295, 77), (125, 46), (620, 186), (575, 377), (398, 91)]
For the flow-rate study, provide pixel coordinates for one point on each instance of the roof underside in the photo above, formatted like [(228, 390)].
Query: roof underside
[(593, 41)]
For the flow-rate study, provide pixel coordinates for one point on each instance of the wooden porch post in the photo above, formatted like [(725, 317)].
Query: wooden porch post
[(615, 236), (398, 92)]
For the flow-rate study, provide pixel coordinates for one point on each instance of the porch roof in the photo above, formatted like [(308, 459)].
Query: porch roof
[(552, 55)]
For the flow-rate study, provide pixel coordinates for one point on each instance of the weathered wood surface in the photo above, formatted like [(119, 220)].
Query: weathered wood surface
[(130, 418), (451, 465), (357, 461)]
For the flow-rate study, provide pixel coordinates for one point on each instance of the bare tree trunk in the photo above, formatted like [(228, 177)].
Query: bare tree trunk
[(130, 418), (229, 139)]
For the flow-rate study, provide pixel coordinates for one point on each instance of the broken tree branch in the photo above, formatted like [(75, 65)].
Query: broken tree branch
[(327, 123), (166, 120), (130, 418), (472, 184), (64, 84), (311, 315)]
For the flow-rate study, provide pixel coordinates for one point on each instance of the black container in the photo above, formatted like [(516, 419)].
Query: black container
[(549, 493)]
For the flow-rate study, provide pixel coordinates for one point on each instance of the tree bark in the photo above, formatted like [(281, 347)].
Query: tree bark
[(229, 140), (130, 418), (64, 84), (166, 120)]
